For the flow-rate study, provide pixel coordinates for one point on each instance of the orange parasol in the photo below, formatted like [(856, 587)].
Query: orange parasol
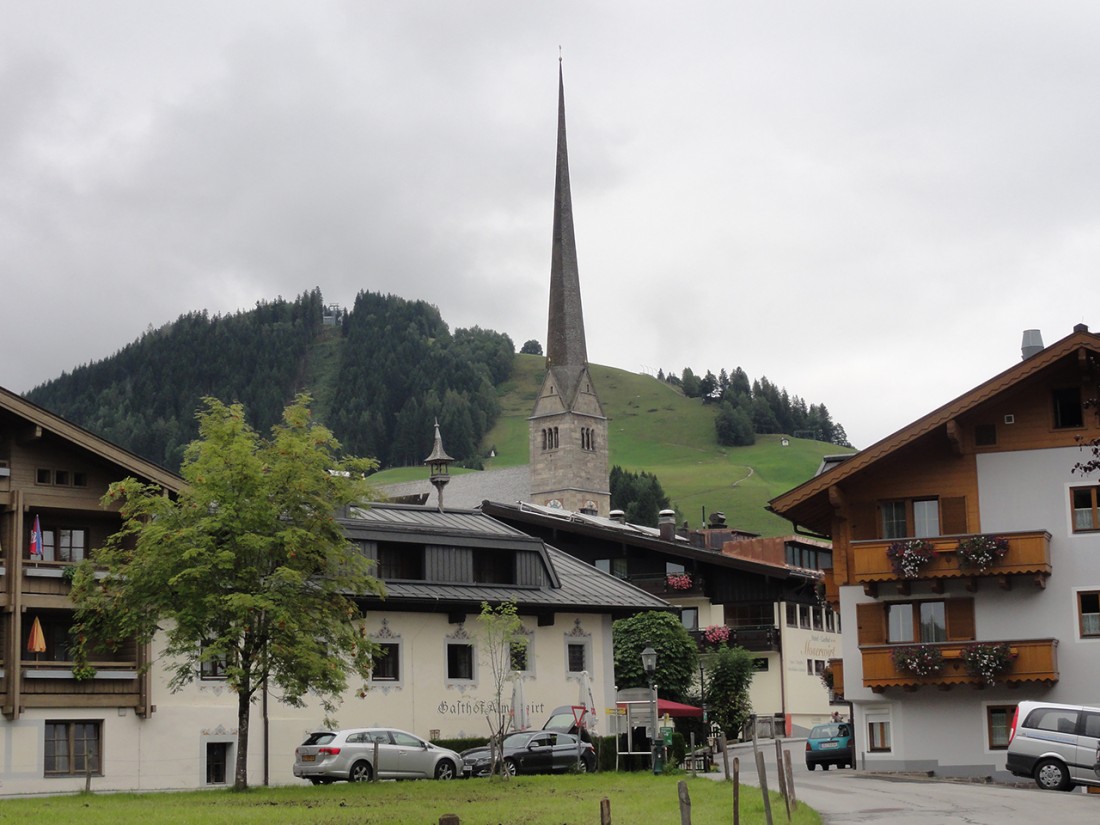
[(36, 641)]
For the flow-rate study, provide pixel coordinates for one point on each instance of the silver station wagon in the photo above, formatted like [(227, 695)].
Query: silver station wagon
[(1056, 745), (327, 756)]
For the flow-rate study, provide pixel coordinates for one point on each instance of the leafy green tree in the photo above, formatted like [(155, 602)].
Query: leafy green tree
[(677, 658), (248, 567), (639, 495), (690, 383), (531, 347), (501, 639), (763, 417), (729, 676), (733, 426)]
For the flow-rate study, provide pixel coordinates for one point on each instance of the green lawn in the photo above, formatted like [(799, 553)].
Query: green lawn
[(535, 800)]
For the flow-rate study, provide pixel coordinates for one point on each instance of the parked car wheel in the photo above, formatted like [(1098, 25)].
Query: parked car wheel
[(445, 769), (1051, 775), (582, 767), (360, 772), (510, 766), (812, 766)]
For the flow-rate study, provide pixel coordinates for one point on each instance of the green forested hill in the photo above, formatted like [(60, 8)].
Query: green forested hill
[(380, 376), (384, 372)]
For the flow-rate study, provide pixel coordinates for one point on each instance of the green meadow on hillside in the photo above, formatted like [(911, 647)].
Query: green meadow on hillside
[(652, 427)]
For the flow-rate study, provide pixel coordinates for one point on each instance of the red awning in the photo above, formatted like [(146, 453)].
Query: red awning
[(667, 706)]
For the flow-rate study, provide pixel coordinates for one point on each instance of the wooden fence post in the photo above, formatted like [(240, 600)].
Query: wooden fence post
[(790, 779), (762, 772), (782, 777), (374, 767), (605, 811), (725, 754), (736, 791), (685, 802)]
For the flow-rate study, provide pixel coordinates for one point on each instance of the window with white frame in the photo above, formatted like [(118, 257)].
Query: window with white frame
[(386, 666), (878, 733), (212, 665), (689, 617), (998, 719), (1083, 504), (460, 662), (216, 762), (1088, 613), (578, 650)]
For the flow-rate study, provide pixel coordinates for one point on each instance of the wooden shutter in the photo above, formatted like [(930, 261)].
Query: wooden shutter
[(953, 516), (870, 624), (960, 620), (866, 521)]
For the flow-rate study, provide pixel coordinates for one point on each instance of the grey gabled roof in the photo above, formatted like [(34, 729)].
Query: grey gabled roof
[(573, 585)]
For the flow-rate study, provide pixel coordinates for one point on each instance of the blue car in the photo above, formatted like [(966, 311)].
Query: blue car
[(830, 744)]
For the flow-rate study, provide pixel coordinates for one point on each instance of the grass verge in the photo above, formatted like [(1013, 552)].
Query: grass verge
[(534, 800)]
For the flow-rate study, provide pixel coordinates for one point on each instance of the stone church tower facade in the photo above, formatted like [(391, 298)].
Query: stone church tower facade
[(568, 429)]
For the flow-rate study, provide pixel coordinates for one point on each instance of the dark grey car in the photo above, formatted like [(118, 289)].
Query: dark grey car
[(540, 751)]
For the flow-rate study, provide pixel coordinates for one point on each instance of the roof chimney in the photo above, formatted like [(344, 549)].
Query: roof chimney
[(666, 524), (617, 515), (1032, 343)]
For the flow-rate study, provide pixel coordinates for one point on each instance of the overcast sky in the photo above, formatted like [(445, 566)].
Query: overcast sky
[(867, 202)]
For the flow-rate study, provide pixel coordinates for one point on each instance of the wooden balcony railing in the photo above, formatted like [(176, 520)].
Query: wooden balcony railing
[(1028, 555), (756, 638), (1034, 660), (52, 684)]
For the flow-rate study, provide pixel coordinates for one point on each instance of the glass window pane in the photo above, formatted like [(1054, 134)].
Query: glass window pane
[(899, 622), (933, 622), (576, 658), (1090, 613), (893, 520), (926, 518), (1084, 513), (998, 727)]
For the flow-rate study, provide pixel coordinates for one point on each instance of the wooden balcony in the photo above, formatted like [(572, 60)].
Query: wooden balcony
[(658, 585), (1028, 555), (836, 692), (756, 638), (1035, 661), (52, 685)]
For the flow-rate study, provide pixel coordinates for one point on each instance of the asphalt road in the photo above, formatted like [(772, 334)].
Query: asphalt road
[(847, 797)]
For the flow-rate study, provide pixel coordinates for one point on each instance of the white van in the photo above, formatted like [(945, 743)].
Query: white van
[(1056, 745)]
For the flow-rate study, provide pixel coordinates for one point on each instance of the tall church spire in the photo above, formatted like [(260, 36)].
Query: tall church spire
[(568, 429), (565, 345)]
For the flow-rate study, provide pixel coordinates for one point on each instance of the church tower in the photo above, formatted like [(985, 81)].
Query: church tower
[(568, 430)]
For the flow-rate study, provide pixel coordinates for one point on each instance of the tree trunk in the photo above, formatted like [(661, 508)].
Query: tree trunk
[(244, 706)]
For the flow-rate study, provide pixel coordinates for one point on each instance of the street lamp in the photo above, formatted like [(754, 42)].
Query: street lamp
[(649, 665)]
